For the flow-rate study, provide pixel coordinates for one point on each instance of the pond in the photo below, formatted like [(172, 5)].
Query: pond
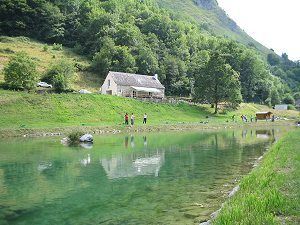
[(162, 178)]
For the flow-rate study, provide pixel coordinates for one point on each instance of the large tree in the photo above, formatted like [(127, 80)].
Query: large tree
[(217, 82)]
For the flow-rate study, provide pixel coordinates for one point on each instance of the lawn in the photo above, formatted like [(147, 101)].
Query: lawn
[(31, 110), (270, 194)]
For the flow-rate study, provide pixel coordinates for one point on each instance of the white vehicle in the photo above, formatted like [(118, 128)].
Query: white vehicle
[(44, 85), (83, 91)]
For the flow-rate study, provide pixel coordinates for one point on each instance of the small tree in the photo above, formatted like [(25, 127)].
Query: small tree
[(60, 74), (20, 73), (217, 82)]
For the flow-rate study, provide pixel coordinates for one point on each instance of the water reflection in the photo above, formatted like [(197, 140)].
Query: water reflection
[(87, 145), (128, 176), (264, 134), (44, 166), (145, 141), (86, 161), (133, 165)]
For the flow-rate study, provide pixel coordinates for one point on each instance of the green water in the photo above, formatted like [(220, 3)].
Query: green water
[(172, 178)]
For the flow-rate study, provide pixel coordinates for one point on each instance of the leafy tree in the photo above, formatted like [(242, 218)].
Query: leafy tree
[(296, 95), (217, 82), (123, 60), (20, 72), (273, 59), (146, 61), (102, 60), (275, 99), (288, 99), (59, 74)]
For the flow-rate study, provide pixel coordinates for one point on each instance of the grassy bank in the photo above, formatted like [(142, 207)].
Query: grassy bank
[(30, 110), (270, 194), (51, 112)]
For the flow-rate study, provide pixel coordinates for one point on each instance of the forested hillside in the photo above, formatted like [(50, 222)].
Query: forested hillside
[(140, 36), (212, 19)]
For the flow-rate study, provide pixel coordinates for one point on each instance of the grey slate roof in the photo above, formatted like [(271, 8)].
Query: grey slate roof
[(138, 80)]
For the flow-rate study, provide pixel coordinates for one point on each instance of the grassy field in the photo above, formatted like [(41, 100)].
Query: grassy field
[(30, 110), (9, 46), (270, 194)]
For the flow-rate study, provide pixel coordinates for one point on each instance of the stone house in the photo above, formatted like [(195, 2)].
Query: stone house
[(133, 85)]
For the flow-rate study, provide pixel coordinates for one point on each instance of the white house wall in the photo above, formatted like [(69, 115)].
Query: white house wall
[(113, 86)]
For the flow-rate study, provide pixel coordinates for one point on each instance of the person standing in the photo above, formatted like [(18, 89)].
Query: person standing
[(145, 118), (233, 118), (132, 119), (126, 118)]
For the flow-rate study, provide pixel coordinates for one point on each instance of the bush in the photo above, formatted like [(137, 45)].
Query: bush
[(60, 74), (45, 48), (57, 47), (291, 107), (74, 137), (20, 73)]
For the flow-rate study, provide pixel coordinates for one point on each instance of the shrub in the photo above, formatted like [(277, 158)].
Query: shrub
[(291, 107), (57, 47), (60, 74), (45, 48), (73, 137), (20, 72)]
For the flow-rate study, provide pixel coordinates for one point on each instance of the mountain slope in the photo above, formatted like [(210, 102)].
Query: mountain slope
[(212, 19)]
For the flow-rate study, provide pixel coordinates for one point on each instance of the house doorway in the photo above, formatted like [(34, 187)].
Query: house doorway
[(109, 92)]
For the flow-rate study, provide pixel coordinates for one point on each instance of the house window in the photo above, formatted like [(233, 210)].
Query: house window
[(108, 83), (134, 94)]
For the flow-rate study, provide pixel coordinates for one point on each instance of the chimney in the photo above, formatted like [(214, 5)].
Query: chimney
[(156, 76)]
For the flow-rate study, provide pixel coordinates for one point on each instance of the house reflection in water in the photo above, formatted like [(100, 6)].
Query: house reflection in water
[(133, 165), (264, 134)]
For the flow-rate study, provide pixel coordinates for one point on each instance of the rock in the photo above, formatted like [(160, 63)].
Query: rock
[(215, 214), (234, 190), (88, 138), (206, 223)]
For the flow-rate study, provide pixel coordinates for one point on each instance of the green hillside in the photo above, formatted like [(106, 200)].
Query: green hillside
[(212, 19), (179, 40), (27, 110), (44, 55)]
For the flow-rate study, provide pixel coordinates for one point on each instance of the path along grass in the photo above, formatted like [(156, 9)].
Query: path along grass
[(271, 193)]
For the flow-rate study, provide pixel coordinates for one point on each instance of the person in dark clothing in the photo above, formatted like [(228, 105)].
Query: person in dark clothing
[(145, 118), (126, 118)]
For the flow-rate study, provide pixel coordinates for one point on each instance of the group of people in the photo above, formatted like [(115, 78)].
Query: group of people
[(132, 119), (245, 118)]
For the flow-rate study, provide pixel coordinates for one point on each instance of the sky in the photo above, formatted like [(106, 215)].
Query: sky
[(274, 23)]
